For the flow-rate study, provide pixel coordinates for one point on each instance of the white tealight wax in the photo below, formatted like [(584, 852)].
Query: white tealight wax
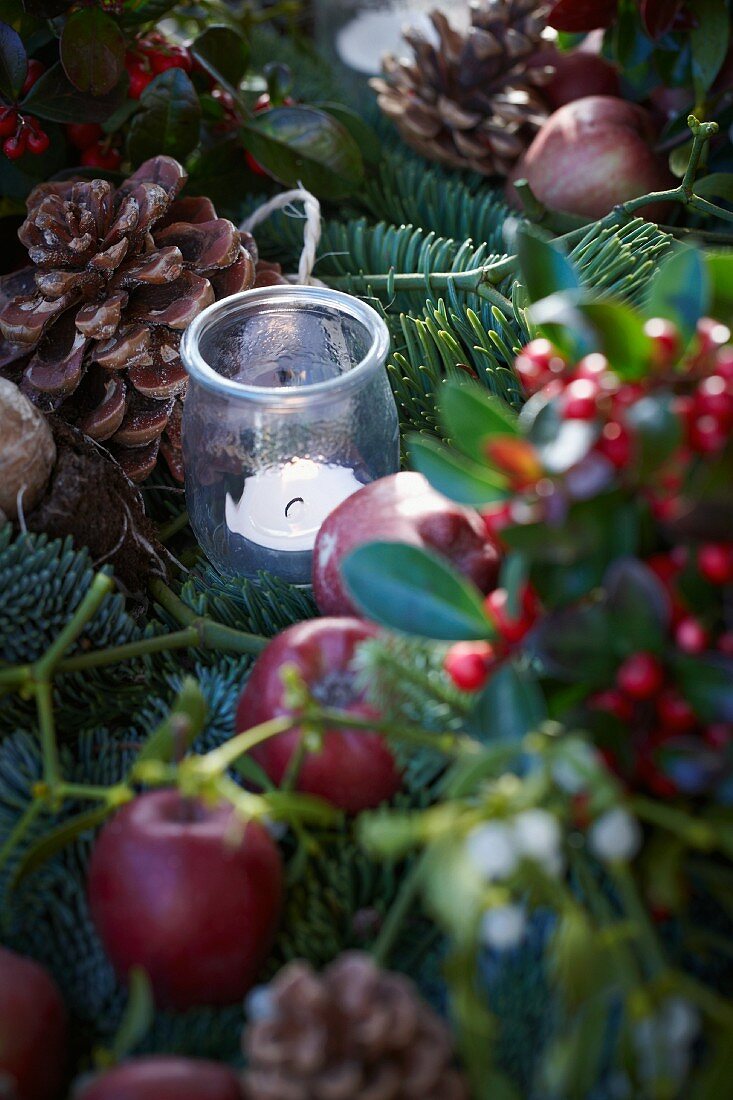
[(283, 507)]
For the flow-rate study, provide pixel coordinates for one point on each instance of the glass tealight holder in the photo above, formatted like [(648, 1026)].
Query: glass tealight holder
[(288, 412)]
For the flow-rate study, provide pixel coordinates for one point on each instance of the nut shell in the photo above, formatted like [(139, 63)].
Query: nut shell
[(27, 451)]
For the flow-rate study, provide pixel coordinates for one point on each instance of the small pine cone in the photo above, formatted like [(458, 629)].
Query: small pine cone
[(473, 100), (92, 330), (355, 1032)]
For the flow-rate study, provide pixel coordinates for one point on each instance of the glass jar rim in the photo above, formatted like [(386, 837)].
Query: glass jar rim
[(204, 373)]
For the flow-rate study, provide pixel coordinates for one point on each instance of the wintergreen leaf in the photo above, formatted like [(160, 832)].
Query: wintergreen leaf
[(510, 706), (545, 270), (363, 134), (578, 323), (169, 119), (575, 644), (13, 62), (55, 98), (92, 50), (469, 415), (680, 291), (223, 53), (638, 605), (707, 684), (709, 38), (456, 477), (409, 589), (560, 444), (657, 430), (304, 145)]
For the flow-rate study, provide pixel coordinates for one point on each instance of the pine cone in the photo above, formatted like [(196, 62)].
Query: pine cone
[(473, 101), (353, 1033), (95, 325)]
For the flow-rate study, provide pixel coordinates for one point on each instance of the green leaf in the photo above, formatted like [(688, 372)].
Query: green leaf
[(56, 839), (13, 62), (456, 477), (180, 729), (363, 134), (657, 429), (469, 415), (409, 589), (545, 270), (169, 119), (223, 53), (638, 605), (707, 684), (92, 51), (680, 291), (303, 145), (510, 706), (55, 98), (720, 270), (576, 644), (560, 444), (717, 185), (709, 37), (145, 11), (580, 323), (138, 1015)]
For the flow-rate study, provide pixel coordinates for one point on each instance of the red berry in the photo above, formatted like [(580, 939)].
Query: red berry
[(714, 398), (8, 121), (615, 444), (512, 629), (38, 142), (496, 519), (715, 562), (35, 69), (724, 363), (14, 147), (665, 338), (537, 363), (615, 703), (254, 165), (719, 735), (580, 400), (691, 636), (97, 157), (665, 567), (711, 335), (674, 712), (626, 396), (725, 643), (468, 664), (139, 76), (83, 134), (641, 676), (592, 367), (708, 435), (171, 57)]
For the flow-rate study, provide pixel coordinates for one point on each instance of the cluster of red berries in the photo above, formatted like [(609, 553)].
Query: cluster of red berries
[(97, 149), (470, 664), (153, 55), (22, 133)]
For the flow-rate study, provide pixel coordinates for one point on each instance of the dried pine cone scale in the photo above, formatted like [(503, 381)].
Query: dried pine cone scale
[(354, 1032), (118, 275), (473, 100)]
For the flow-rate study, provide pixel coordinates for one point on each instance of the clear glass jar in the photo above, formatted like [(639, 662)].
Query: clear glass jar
[(288, 412)]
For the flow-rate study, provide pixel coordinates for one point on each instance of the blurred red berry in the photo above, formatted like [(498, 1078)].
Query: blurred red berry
[(469, 664), (38, 142), (615, 444), (15, 146), (665, 338), (537, 363), (707, 434), (715, 562), (592, 367), (724, 363), (580, 400), (613, 702), (691, 636), (674, 712), (510, 628), (718, 735), (170, 57), (714, 397), (83, 134), (96, 156), (8, 121), (641, 676), (711, 335), (496, 519)]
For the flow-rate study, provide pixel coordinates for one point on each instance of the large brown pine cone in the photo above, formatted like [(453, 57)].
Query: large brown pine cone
[(474, 100), (354, 1032), (94, 326)]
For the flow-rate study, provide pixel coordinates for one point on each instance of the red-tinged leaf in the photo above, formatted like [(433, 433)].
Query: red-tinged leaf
[(516, 458), (578, 16), (658, 16)]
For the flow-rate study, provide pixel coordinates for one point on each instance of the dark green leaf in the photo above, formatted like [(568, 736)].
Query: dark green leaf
[(303, 145), (545, 270), (576, 644), (138, 1015), (55, 98), (680, 291), (709, 37), (56, 839), (511, 705), (717, 185), (456, 477), (13, 62), (92, 50), (222, 174), (172, 739), (169, 119), (364, 136), (145, 11), (638, 605), (657, 430), (409, 589), (560, 444), (579, 324), (223, 53), (469, 415), (707, 684)]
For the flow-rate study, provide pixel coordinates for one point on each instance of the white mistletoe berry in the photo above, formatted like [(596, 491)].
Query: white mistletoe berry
[(615, 835), (538, 836), (492, 849), (503, 927)]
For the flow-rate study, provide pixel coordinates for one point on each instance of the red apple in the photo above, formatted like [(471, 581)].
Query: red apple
[(188, 893), (592, 154), (354, 770), (164, 1078), (400, 508), (32, 1030), (578, 73)]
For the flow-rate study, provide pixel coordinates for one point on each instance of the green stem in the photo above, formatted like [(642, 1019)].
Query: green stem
[(220, 759), (47, 727), (101, 586), (695, 833), (211, 635), (181, 639), (397, 913), (16, 835), (449, 743), (168, 530)]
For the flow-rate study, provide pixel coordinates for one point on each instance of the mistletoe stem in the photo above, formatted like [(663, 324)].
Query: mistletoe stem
[(450, 744), (395, 918), (17, 834), (210, 634)]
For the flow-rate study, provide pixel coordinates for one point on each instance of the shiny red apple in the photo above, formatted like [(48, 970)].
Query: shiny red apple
[(400, 508), (591, 155), (164, 1078), (33, 1029), (187, 892), (354, 770)]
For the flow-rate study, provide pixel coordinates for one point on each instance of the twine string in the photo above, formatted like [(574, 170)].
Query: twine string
[(312, 232)]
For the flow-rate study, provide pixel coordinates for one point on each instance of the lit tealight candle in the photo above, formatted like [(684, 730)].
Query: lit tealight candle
[(282, 508)]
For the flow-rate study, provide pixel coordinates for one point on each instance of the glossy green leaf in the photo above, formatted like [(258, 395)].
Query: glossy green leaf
[(13, 62), (560, 444), (223, 52), (92, 51), (409, 589), (303, 145), (365, 137), (638, 605), (469, 415), (657, 430), (511, 705), (169, 119), (579, 323), (680, 291), (55, 98), (545, 270), (707, 684), (709, 38), (456, 477)]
